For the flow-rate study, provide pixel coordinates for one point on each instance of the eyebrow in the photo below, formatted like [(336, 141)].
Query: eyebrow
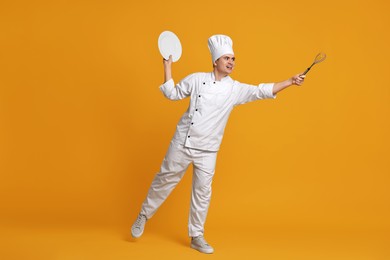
[(227, 57)]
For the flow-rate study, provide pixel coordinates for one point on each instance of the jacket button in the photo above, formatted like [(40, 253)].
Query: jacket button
[(214, 82), (189, 136), (199, 95), (204, 83), (196, 109), (192, 123)]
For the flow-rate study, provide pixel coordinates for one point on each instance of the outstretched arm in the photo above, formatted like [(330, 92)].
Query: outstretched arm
[(167, 69), (295, 80)]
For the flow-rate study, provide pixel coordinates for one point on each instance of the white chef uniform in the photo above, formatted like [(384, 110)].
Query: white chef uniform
[(197, 139)]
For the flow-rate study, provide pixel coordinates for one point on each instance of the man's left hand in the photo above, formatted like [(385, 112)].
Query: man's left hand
[(298, 79)]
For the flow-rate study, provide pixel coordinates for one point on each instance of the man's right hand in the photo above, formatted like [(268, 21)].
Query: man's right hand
[(168, 62), (167, 68)]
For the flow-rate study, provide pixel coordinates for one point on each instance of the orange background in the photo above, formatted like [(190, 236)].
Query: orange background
[(84, 128)]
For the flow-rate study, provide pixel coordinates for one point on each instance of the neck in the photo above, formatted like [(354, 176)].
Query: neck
[(218, 75)]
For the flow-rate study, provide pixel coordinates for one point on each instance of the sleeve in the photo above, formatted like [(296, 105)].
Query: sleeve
[(248, 93), (179, 91)]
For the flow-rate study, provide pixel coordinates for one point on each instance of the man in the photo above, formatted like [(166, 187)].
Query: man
[(199, 133)]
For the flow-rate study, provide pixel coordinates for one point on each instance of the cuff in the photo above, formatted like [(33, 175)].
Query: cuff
[(268, 89), (167, 85)]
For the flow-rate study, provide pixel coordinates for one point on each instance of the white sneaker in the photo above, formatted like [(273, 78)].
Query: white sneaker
[(138, 227), (200, 244)]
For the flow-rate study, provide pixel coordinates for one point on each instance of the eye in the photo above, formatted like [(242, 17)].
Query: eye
[(233, 59)]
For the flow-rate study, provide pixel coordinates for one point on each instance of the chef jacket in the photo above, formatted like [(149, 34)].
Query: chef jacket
[(202, 125)]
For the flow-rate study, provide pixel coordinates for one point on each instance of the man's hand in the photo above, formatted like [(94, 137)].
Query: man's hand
[(295, 80), (167, 63), (167, 68), (298, 79)]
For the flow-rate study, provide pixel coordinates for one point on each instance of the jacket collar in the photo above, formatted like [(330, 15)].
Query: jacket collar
[(224, 79)]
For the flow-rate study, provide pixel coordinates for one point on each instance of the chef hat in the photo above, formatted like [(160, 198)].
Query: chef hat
[(220, 45)]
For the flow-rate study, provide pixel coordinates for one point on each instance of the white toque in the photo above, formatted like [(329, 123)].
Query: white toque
[(220, 45)]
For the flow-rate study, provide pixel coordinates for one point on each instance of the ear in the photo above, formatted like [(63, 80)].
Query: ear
[(215, 62)]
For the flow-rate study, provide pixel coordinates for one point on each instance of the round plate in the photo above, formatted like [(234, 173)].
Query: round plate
[(169, 44)]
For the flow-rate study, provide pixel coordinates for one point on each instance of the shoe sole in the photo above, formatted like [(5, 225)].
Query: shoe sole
[(206, 251)]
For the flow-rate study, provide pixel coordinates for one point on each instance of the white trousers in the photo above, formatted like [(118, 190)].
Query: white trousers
[(173, 167)]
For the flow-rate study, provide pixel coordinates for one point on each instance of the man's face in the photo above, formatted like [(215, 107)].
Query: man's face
[(225, 64)]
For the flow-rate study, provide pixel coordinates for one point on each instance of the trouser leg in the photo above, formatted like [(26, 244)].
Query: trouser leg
[(171, 172), (204, 167)]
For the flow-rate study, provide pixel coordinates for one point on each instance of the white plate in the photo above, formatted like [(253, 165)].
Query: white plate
[(169, 44)]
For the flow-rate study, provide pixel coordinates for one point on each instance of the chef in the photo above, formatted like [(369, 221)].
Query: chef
[(199, 133)]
